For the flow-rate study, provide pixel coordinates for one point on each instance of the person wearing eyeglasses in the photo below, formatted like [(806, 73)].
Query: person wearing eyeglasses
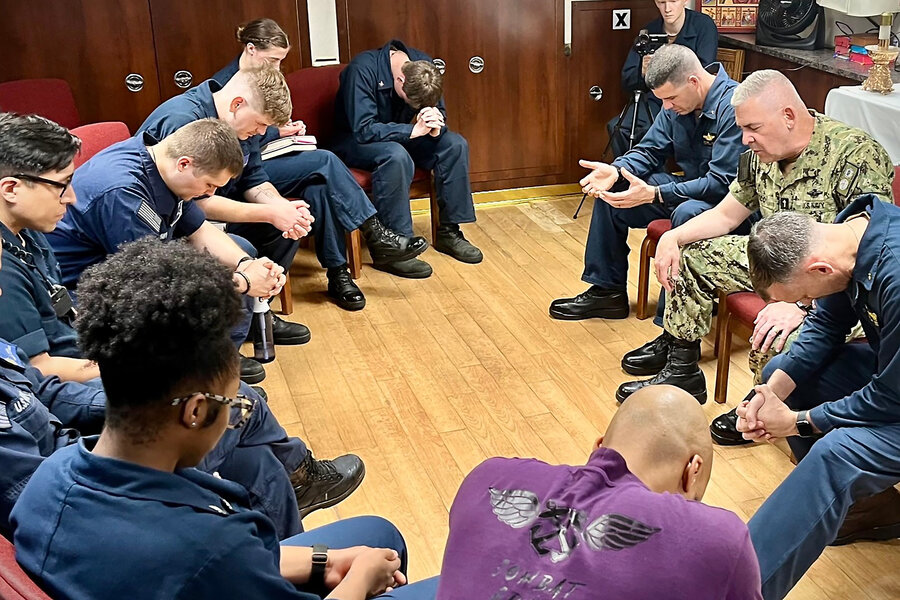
[(283, 478), (36, 312), (126, 514)]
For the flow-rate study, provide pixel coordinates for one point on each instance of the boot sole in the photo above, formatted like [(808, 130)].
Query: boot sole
[(876, 534), (332, 501), (727, 441), (251, 379), (468, 261), (293, 341), (384, 267), (383, 260), (701, 398), (615, 313)]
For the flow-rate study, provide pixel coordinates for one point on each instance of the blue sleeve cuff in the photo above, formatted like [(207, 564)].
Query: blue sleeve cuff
[(667, 193), (820, 418), (33, 343)]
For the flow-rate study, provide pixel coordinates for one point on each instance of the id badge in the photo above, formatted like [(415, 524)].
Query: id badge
[(62, 302)]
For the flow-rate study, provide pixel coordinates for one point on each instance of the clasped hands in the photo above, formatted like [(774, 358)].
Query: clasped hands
[(765, 416), (429, 121), (292, 128), (265, 276), (603, 176), (292, 217)]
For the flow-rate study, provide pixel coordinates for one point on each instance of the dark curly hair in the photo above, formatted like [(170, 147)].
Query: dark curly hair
[(156, 318), (34, 145)]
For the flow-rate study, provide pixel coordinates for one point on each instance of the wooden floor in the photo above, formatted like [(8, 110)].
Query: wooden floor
[(434, 376)]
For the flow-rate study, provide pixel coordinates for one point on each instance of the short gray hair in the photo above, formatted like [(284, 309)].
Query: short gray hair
[(777, 246), (756, 83), (673, 64)]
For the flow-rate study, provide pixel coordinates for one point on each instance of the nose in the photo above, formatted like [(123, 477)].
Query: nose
[(746, 138), (668, 104), (69, 196)]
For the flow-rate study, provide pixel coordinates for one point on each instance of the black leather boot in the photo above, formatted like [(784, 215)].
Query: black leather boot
[(323, 483), (451, 241), (723, 429), (650, 358), (251, 370), (594, 302), (387, 246), (344, 290), (681, 370)]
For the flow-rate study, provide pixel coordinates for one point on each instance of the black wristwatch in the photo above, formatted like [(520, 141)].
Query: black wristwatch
[(804, 426), (319, 560)]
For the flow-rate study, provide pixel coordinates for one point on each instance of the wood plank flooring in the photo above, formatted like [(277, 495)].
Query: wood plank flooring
[(434, 376)]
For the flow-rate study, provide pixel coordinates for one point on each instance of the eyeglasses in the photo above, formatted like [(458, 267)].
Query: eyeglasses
[(57, 184), (241, 407)]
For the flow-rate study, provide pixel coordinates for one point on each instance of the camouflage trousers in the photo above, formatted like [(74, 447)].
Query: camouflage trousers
[(707, 267)]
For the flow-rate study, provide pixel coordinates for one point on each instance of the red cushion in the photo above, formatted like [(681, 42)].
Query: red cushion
[(658, 227), (97, 136), (897, 185), (744, 306), (50, 98), (14, 582), (364, 178), (313, 92)]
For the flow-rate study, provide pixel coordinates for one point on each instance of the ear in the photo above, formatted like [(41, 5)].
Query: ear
[(183, 163), (820, 267), (690, 477), (236, 103), (790, 116), (8, 189), (193, 412), (251, 49), (599, 441)]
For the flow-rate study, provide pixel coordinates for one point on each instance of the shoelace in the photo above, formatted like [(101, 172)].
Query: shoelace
[(323, 470)]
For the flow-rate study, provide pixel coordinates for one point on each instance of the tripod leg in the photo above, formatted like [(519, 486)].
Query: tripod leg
[(580, 204), (616, 129), (634, 116)]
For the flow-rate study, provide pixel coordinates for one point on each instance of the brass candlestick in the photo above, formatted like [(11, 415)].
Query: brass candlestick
[(879, 74)]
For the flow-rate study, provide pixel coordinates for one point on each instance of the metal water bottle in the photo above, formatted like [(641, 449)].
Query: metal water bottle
[(263, 341)]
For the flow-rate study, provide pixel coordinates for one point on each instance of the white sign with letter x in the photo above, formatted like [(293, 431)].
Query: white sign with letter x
[(621, 18)]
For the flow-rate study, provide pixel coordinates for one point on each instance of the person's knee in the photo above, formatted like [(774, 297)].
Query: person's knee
[(453, 143), (383, 533), (244, 244), (395, 159), (686, 211)]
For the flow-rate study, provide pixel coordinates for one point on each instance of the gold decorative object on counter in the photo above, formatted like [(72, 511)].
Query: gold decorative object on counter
[(879, 74)]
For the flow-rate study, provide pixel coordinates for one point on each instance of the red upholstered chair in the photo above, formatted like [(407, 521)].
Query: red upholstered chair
[(648, 250), (313, 93), (50, 98), (14, 582), (98, 136), (897, 185), (737, 312)]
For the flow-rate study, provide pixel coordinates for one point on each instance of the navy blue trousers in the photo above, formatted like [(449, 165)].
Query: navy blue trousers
[(803, 515), (260, 456), (393, 165), (241, 329), (335, 200), (374, 532)]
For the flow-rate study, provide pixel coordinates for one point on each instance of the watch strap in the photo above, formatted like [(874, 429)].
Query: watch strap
[(319, 561), (804, 427)]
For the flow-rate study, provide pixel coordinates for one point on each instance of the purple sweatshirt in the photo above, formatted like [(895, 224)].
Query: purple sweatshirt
[(526, 530)]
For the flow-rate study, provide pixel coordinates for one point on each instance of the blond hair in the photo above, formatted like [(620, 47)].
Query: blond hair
[(269, 92), (211, 144), (423, 84)]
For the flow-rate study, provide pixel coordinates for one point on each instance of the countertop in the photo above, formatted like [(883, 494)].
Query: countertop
[(822, 60)]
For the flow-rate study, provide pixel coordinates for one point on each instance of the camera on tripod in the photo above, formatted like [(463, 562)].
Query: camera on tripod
[(646, 43)]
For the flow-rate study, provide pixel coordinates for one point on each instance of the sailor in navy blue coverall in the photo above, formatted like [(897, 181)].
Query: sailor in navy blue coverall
[(39, 415), (699, 33), (373, 125), (849, 393), (706, 145)]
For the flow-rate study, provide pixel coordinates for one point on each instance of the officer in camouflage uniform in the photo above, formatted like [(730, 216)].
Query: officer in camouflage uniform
[(799, 160)]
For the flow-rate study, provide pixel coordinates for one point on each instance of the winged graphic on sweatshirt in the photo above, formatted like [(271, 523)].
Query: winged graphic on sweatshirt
[(557, 530)]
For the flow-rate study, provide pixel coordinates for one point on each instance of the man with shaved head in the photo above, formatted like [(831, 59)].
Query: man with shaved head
[(799, 160), (626, 525)]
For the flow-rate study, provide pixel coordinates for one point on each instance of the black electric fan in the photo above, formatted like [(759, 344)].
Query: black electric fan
[(798, 24)]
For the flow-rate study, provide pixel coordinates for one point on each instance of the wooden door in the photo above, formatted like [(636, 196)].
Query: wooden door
[(198, 36), (512, 111), (92, 44), (598, 54)]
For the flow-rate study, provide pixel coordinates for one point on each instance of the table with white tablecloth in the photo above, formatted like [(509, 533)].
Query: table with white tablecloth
[(874, 113)]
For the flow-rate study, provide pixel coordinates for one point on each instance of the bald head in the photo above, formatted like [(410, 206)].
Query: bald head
[(660, 431)]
